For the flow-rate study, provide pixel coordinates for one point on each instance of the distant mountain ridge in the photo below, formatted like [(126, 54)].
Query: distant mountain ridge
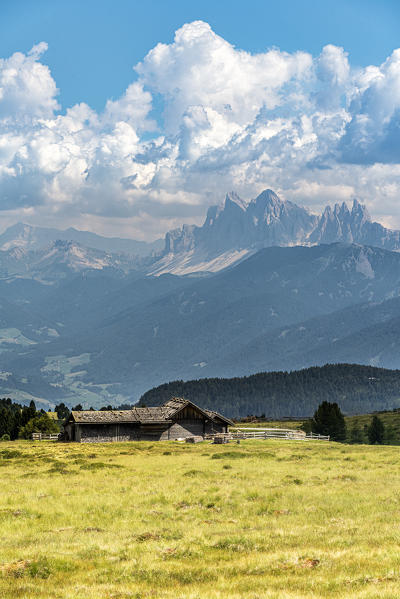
[(236, 229), (31, 237), (58, 260), (231, 232)]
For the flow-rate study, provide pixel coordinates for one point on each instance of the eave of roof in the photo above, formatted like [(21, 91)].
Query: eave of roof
[(214, 415), (153, 415)]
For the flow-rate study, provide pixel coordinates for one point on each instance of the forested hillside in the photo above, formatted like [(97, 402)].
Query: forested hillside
[(76, 329), (357, 389)]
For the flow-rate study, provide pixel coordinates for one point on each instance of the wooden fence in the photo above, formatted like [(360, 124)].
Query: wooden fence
[(43, 437), (271, 433)]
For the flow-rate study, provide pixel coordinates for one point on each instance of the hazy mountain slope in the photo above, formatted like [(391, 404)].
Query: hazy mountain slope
[(87, 299), (199, 329), (59, 260), (116, 334), (364, 333), (34, 238)]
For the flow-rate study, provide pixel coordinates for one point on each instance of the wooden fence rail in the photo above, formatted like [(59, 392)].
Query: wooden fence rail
[(271, 433), (43, 437)]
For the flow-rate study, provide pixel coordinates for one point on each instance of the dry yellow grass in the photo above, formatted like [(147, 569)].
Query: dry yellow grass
[(263, 519)]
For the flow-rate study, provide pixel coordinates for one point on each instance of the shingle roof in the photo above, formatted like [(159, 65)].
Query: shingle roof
[(178, 403), (155, 415), (114, 416), (214, 415)]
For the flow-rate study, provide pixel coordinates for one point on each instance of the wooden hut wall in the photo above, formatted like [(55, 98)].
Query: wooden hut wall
[(188, 428), (154, 432), (188, 422), (94, 433)]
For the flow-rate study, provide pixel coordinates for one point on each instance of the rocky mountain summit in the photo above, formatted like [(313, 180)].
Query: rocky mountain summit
[(352, 226), (237, 229), (58, 260)]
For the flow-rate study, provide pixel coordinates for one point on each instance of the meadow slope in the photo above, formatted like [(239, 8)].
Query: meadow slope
[(263, 519)]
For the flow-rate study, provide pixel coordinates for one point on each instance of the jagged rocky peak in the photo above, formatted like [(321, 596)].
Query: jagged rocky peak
[(341, 210), (237, 228), (341, 224), (267, 198), (180, 240), (232, 203), (360, 212), (333, 225), (232, 199), (236, 225)]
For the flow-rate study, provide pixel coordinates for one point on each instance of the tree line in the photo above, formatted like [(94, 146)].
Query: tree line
[(19, 422), (357, 389), (329, 420)]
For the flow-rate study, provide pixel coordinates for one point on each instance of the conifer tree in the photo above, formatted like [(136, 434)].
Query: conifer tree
[(329, 420), (376, 431), (356, 434)]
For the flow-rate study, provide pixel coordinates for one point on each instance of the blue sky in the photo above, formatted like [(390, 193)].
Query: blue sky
[(130, 118), (93, 44)]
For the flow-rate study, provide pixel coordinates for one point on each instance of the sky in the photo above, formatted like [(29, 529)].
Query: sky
[(129, 118)]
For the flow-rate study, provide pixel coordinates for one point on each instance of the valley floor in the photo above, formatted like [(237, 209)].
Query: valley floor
[(263, 519)]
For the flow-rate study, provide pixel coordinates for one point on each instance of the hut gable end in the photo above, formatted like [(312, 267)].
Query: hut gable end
[(183, 409)]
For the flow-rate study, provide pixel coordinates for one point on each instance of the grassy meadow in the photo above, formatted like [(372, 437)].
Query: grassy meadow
[(260, 519), (390, 420)]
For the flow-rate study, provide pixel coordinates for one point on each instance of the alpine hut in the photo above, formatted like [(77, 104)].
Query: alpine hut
[(175, 419)]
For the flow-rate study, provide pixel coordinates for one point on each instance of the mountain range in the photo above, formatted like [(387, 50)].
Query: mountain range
[(281, 289), (29, 237), (237, 229)]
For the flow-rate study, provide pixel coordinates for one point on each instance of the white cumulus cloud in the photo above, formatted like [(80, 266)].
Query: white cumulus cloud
[(316, 129)]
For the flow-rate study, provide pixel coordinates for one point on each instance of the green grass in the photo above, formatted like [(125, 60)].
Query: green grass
[(391, 422), (294, 424), (263, 519)]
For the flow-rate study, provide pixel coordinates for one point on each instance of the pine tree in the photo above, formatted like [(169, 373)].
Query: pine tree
[(62, 411), (356, 434), (376, 431), (329, 420)]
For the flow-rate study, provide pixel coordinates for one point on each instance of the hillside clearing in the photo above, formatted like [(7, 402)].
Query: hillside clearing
[(266, 519)]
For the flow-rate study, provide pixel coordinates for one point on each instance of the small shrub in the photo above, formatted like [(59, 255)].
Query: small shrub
[(59, 468), (147, 536), (9, 454), (191, 473), (39, 569), (99, 466), (5, 437), (229, 454), (236, 544)]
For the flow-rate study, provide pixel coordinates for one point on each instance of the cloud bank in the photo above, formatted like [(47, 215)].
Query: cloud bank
[(315, 129)]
